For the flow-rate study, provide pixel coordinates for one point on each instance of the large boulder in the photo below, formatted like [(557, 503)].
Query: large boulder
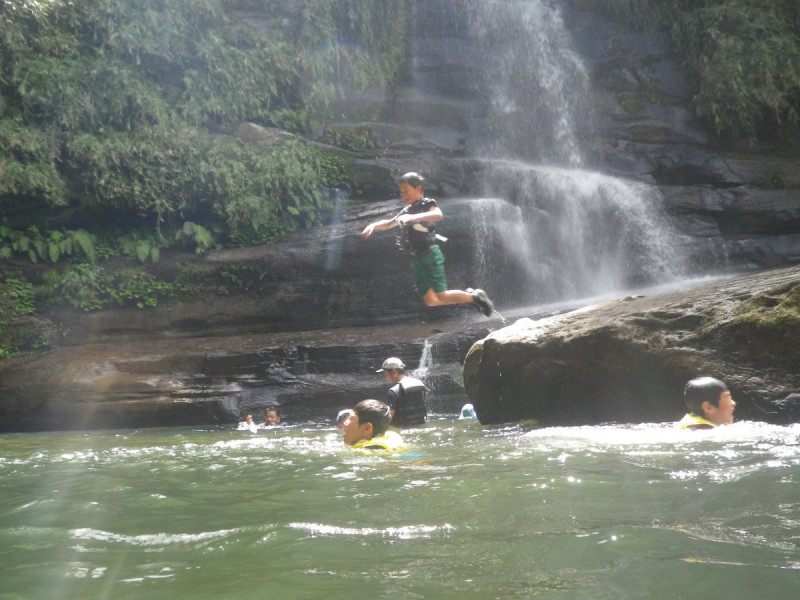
[(628, 360)]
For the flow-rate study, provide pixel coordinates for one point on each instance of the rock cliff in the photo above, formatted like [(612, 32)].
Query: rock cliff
[(627, 360), (301, 324)]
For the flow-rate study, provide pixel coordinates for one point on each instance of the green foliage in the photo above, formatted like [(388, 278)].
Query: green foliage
[(358, 138), (17, 297), (766, 329), (105, 108), (90, 287), (141, 247), (192, 233), (28, 169), (291, 186), (47, 246), (80, 286), (16, 300), (745, 54), (778, 309)]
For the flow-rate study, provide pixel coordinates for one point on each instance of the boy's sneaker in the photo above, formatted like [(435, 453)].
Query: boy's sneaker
[(481, 300)]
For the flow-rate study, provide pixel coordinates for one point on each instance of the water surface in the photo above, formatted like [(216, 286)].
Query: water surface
[(468, 512)]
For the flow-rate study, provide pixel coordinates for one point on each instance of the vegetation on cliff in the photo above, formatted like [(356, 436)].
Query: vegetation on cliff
[(106, 107), (745, 55), (113, 113)]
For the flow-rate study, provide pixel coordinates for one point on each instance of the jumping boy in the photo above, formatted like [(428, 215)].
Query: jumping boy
[(418, 219)]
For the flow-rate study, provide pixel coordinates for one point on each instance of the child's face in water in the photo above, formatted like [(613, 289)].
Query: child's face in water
[(722, 414), (410, 194)]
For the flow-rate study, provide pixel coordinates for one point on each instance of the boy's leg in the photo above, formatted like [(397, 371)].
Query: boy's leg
[(432, 298), (430, 276)]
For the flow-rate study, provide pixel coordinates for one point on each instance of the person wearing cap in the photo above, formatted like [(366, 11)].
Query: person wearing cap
[(406, 397), (709, 402), (366, 427), (418, 220)]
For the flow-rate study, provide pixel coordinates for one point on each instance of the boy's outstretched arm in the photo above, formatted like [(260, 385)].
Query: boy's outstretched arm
[(380, 226)]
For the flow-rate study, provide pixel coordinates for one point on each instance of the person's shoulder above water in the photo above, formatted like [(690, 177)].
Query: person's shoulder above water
[(390, 440), (692, 421)]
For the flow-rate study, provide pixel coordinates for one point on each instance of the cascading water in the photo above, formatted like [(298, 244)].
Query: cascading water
[(551, 228), (536, 86)]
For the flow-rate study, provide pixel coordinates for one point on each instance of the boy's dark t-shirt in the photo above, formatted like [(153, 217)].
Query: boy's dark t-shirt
[(419, 236)]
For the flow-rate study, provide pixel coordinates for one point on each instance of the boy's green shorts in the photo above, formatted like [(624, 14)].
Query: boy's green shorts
[(429, 271)]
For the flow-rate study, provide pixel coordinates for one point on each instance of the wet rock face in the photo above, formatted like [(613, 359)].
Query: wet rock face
[(319, 311), (642, 127), (628, 360), (180, 380)]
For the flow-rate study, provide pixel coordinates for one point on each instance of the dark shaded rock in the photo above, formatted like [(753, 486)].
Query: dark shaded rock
[(198, 365), (628, 360), (195, 381), (323, 278)]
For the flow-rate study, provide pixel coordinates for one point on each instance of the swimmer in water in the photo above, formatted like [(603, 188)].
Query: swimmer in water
[(367, 427), (248, 424), (709, 402)]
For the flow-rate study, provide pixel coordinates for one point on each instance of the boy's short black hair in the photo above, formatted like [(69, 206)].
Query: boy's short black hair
[(375, 412), (411, 178), (702, 389)]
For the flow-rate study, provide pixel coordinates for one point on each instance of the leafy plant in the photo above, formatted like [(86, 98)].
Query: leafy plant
[(141, 247), (745, 55), (107, 108), (16, 300), (48, 245), (90, 287), (202, 238)]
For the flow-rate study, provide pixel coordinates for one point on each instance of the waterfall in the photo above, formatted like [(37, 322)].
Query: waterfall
[(426, 373), (549, 227), (538, 88), (425, 361)]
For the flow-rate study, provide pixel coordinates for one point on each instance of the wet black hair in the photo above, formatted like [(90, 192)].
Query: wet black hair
[(702, 389), (411, 178), (375, 412)]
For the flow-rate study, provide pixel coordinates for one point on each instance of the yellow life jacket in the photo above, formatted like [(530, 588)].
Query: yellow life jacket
[(388, 441), (692, 421)]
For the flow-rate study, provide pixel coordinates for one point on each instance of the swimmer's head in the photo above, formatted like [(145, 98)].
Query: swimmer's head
[(710, 398), (271, 417), (370, 418)]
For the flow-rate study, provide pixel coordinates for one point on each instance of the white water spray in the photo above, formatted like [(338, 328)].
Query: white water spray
[(425, 361), (557, 230)]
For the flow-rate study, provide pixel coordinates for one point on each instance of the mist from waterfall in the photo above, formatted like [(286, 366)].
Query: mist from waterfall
[(550, 228)]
